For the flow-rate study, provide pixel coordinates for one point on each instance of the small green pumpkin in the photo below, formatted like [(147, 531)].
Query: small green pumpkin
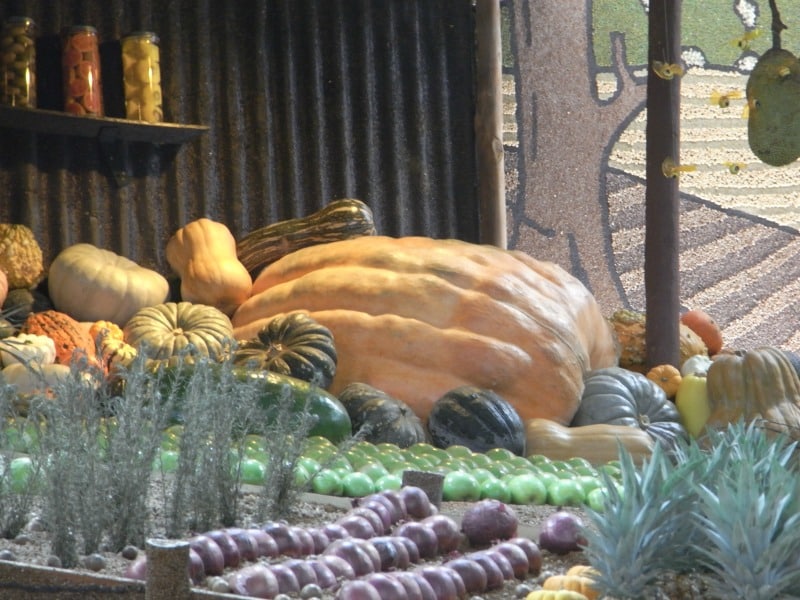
[(617, 396), (173, 331), (479, 419), (378, 418), (291, 344)]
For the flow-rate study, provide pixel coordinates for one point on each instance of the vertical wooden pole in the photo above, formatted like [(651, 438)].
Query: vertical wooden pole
[(489, 123), (167, 570), (661, 254)]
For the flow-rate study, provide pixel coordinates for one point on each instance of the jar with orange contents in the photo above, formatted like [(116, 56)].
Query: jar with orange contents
[(141, 72), (80, 61)]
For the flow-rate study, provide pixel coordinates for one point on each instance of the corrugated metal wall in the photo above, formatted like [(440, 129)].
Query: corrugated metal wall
[(306, 101)]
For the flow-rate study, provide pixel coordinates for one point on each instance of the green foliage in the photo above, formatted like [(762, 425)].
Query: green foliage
[(730, 505), (217, 408), (286, 437), (16, 500), (93, 445), (710, 25), (643, 530)]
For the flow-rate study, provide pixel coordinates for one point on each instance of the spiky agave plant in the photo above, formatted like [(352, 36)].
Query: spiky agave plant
[(643, 530), (748, 518)]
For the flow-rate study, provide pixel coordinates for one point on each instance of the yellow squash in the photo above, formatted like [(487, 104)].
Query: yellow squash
[(598, 443)]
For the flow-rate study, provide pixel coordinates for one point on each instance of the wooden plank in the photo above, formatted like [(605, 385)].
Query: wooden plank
[(58, 123), (489, 124), (662, 200)]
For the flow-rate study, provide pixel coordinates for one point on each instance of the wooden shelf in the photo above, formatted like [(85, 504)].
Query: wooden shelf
[(59, 123)]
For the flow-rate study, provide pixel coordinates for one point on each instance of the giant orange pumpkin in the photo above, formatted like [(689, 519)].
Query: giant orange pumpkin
[(416, 317)]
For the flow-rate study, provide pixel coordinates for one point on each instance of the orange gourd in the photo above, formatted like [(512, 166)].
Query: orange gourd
[(704, 326), (667, 377), (416, 317), (67, 333), (203, 254), (112, 349), (575, 580), (630, 330)]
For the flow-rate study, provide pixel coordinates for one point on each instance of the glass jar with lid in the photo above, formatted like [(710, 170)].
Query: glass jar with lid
[(141, 73), (80, 62), (18, 62)]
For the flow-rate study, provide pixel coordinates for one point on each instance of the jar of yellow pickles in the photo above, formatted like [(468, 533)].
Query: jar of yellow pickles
[(141, 73), (80, 62), (18, 63)]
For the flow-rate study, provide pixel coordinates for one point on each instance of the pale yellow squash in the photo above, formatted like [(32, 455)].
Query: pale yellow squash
[(203, 254)]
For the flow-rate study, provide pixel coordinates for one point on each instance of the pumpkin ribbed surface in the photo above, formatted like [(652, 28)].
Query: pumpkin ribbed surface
[(379, 418), (617, 396), (761, 385), (417, 317), (172, 329), (66, 332), (92, 284), (292, 344)]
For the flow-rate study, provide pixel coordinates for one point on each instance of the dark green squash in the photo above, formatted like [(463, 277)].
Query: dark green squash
[(275, 392), (378, 418), (617, 396), (479, 419), (292, 344), (21, 302)]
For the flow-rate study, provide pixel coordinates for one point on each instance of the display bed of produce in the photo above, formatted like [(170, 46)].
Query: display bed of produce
[(269, 412)]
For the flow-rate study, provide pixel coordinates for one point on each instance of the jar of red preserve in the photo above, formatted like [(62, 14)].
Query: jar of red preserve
[(80, 61)]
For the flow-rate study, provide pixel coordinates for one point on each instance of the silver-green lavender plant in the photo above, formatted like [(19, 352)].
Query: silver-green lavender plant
[(217, 408), (16, 435)]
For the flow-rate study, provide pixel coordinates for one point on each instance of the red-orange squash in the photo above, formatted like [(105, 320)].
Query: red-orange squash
[(704, 326), (67, 333), (416, 317)]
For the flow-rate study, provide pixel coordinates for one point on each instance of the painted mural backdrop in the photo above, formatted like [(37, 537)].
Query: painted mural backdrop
[(575, 141)]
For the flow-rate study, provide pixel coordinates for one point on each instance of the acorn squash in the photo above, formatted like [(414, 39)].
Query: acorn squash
[(293, 344), (617, 396), (478, 419), (379, 418)]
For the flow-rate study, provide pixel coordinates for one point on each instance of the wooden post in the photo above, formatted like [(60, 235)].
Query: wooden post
[(167, 570), (662, 244), (489, 124)]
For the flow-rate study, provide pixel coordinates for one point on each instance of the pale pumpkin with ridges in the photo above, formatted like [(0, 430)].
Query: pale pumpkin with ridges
[(416, 317), (93, 284)]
